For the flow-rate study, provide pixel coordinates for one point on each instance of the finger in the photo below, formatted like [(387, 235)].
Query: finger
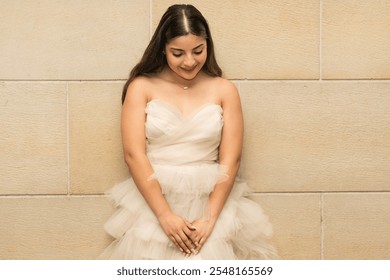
[(182, 244), (176, 244), (187, 241), (202, 241), (192, 235), (200, 246), (190, 226), (189, 231)]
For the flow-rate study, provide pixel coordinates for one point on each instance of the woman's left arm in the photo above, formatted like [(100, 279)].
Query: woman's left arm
[(229, 155)]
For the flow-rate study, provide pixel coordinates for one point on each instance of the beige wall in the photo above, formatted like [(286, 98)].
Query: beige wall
[(314, 76)]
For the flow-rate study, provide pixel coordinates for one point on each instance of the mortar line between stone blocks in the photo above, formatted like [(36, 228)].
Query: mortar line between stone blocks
[(38, 196), (292, 81), (253, 193), (320, 45), (356, 80), (321, 192), (322, 227), (150, 19), (67, 139)]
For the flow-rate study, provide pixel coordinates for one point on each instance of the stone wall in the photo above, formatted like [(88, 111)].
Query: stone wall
[(314, 77)]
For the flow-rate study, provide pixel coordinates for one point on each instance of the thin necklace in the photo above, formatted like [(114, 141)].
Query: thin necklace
[(181, 86), (184, 87)]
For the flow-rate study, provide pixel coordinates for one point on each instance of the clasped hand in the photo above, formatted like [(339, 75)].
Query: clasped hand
[(188, 237)]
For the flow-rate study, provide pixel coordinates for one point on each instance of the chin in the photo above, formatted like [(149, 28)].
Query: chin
[(189, 76)]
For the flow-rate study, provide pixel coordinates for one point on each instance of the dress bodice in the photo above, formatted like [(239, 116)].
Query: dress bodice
[(175, 139)]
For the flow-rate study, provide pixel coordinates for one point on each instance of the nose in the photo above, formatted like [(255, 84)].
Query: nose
[(189, 61)]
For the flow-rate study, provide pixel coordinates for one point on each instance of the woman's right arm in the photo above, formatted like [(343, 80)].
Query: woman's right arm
[(134, 148)]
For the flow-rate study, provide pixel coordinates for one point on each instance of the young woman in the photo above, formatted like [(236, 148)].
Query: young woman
[(182, 133)]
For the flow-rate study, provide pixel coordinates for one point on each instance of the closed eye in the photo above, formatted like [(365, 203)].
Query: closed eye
[(180, 54), (176, 52)]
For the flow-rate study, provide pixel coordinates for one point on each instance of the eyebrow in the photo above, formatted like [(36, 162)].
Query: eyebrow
[(176, 49)]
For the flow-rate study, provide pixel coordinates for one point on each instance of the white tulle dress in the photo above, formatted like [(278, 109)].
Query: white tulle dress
[(183, 151)]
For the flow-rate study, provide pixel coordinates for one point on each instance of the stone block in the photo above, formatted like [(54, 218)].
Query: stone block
[(316, 136), (33, 138), (72, 40), (355, 37), (261, 39), (96, 157), (296, 220), (58, 228), (357, 226)]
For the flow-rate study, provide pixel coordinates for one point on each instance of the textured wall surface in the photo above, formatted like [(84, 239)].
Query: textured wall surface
[(314, 77)]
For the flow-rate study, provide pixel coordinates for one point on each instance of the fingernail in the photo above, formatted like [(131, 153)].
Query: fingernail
[(196, 252)]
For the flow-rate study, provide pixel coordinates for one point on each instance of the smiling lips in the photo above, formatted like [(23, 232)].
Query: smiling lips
[(189, 69)]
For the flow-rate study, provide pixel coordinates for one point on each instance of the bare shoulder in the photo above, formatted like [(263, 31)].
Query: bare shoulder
[(227, 86), (140, 83), (139, 88), (227, 91)]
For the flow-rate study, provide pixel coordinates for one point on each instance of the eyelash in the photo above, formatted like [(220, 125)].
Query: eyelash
[(196, 53)]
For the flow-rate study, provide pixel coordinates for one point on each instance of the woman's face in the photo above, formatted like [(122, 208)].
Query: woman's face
[(186, 55)]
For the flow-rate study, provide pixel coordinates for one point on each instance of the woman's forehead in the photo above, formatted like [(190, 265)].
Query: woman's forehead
[(188, 41)]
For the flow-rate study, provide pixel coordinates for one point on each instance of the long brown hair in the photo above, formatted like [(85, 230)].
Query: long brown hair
[(178, 20)]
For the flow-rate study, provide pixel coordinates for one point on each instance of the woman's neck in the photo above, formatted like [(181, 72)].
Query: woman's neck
[(170, 76)]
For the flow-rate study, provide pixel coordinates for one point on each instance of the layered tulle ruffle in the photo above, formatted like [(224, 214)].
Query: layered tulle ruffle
[(241, 232)]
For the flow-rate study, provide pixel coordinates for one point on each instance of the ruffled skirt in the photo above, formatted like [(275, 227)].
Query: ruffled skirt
[(242, 230)]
